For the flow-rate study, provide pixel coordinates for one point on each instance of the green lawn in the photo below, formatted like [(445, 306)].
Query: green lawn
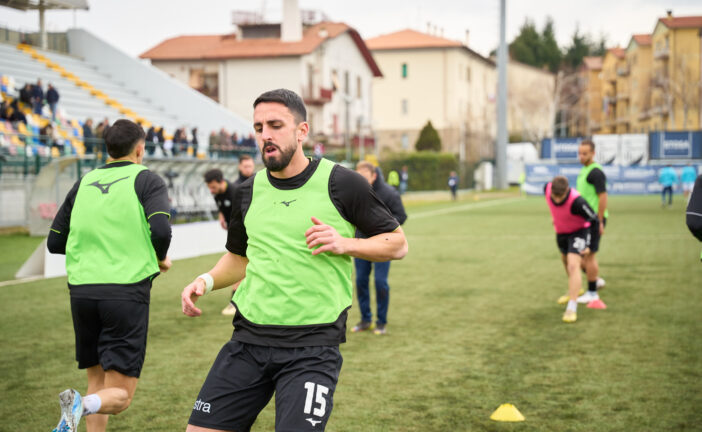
[(14, 250), (473, 324)]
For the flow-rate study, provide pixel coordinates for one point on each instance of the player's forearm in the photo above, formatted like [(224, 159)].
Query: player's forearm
[(602, 206), (379, 248), (231, 268)]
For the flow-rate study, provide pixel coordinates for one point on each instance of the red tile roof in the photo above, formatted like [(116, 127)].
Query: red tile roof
[(218, 47), (618, 52), (682, 22), (593, 63), (642, 39), (408, 38)]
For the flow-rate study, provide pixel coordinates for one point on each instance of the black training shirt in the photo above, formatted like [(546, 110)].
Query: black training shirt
[(224, 201), (597, 178), (355, 200), (694, 210)]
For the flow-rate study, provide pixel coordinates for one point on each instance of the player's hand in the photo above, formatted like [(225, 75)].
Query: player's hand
[(164, 264), (601, 229), (222, 222), (190, 295), (585, 252), (326, 236)]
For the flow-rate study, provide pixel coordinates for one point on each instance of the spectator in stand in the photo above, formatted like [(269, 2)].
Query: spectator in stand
[(37, 97), (16, 115), (25, 94), (235, 140), (52, 98), (100, 132), (194, 142), (4, 111), (88, 137), (213, 145), (224, 142)]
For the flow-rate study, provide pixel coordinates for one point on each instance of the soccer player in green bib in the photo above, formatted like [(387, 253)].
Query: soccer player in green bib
[(292, 235), (592, 185), (114, 229)]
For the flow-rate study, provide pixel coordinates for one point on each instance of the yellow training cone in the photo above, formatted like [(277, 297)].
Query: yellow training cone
[(507, 413)]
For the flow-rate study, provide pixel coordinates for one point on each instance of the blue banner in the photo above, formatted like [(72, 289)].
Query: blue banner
[(675, 145), (620, 179), (561, 149)]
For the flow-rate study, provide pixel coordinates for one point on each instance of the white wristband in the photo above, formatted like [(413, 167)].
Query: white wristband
[(209, 282)]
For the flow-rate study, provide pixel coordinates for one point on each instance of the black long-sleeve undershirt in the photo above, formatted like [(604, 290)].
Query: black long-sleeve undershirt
[(694, 210)]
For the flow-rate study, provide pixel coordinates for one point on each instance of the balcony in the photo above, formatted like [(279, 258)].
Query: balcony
[(622, 96), (317, 96), (622, 120), (659, 80), (644, 115), (623, 71), (659, 110), (661, 53)]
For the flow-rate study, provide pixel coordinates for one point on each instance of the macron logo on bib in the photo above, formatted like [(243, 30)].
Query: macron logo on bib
[(202, 406)]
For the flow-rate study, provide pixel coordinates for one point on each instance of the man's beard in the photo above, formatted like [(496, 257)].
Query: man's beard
[(280, 162)]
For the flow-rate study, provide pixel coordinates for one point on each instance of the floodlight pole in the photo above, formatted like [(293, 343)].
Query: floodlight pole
[(501, 153), (42, 26)]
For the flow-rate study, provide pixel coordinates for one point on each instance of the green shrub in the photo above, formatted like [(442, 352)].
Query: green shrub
[(429, 139)]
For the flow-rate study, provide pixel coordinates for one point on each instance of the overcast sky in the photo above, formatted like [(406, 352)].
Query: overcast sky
[(137, 25)]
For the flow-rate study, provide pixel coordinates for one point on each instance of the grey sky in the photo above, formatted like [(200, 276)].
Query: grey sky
[(136, 25)]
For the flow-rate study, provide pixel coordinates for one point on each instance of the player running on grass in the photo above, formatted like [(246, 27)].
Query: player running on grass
[(113, 228), (572, 219), (291, 235)]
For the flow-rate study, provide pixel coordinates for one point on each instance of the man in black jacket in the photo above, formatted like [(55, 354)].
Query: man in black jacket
[(52, 98), (391, 198)]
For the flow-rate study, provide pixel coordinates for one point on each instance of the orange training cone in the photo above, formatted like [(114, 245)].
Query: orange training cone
[(597, 304), (507, 413)]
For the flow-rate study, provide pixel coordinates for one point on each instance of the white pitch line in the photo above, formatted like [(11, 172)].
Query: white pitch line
[(464, 207), (20, 281)]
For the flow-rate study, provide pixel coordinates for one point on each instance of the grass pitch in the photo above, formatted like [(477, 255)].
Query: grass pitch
[(473, 323)]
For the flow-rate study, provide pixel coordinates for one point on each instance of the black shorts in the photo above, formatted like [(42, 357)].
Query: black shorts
[(575, 242), (111, 333), (244, 377), (595, 236)]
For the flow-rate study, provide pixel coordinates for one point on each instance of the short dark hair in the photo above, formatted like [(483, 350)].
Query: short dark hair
[(214, 174), (244, 157), (288, 98), (122, 137), (588, 142), (559, 185)]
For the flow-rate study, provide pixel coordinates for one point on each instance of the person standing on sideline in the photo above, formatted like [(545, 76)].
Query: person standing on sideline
[(404, 179), (592, 185), (392, 200), (394, 179), (572, 219), (292, 236), (694, 211), (113, 228), (687, 178), (667, 178), (52, 98), (453, 184), (223, 192)]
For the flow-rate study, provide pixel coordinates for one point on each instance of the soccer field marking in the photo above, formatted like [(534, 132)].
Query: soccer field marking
[(20, 281), (470, 206)]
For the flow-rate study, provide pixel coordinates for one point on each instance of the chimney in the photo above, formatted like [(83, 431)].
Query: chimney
[(291, 28), (428, 27), (467, 37), (670, 13)]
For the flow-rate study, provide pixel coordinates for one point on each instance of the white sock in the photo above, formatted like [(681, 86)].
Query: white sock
[(91, 404), (572, 306)]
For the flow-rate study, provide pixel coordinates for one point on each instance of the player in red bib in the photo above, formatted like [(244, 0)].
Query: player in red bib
[(572, 218)]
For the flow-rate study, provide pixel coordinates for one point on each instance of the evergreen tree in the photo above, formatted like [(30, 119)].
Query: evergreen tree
[(428, 139), (550, 52), (525, 47)]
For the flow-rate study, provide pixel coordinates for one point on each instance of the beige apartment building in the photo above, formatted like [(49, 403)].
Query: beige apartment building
[(614, 103), (431, 78), (676, 98), (639, 59)]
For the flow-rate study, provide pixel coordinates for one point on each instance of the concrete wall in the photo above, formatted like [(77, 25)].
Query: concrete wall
[(179, 100)]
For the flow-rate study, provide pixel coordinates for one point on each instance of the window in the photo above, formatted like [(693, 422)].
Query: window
[(347, 84), (404, 106), (359, 87), (404, 70), (468, 74), (405, 142)]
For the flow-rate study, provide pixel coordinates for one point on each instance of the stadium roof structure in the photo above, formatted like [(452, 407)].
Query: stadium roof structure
[(219, 47), (45, 4), (412, 39)]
